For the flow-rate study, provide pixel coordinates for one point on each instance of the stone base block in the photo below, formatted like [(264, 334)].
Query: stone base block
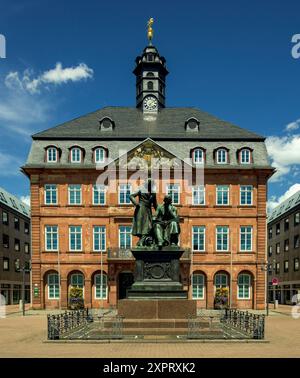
[(157, 308)]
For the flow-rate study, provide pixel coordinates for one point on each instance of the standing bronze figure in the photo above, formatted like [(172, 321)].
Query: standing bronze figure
[(142, 219), (166, 224)]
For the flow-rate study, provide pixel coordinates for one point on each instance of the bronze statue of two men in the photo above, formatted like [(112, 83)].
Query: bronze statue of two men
[(159, 230)]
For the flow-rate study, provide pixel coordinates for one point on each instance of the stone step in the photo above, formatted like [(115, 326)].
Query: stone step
[(156, 331), (155, 323)]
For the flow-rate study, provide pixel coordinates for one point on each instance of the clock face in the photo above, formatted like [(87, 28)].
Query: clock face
[(150, 103)]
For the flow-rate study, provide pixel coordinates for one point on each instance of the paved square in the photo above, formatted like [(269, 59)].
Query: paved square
[(25, 336)]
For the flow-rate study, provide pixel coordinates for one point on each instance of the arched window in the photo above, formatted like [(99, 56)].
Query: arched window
[(100, 290), (52, 155), (222, 156), (150, 57), (198, 156), (244, 286), (150, 74), (77, 280), (198, 286), (76, 155), (150, 85), (245, 156), (221, 280), (53, 286), (99, 154)]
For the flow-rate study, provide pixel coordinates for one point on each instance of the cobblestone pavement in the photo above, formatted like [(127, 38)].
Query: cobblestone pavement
[(25, 336)]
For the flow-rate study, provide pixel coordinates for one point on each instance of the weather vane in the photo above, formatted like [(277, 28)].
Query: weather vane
[(150, 30)]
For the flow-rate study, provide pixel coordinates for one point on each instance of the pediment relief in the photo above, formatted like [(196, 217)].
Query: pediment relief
[(149, 155)]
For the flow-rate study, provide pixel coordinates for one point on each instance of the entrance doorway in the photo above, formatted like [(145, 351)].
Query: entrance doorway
[(125, 282)]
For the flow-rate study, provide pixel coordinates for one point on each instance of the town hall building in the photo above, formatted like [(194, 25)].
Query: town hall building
[(83, 171)]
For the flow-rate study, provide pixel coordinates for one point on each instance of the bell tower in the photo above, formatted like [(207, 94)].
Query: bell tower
[(150, 72)]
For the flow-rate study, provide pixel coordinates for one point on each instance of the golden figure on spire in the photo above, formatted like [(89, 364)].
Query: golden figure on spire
[(150, 30)]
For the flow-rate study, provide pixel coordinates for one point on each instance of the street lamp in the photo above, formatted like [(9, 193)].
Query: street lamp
[(267, 267), (24, 270)]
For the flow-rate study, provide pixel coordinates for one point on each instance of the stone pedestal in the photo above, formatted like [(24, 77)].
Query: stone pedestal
[(157, 274), (157, 308)]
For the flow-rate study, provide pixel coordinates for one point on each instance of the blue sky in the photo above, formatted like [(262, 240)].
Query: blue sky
[(232, 59)]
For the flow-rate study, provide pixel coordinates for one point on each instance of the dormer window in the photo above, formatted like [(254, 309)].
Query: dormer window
[(52, 155), (150, 57), (107, 124), (76, 155), (198, 155), (99, 155), (245, 156), (192, 124), (222, 156)]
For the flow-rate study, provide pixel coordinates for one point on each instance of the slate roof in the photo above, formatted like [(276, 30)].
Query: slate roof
[(131, 123), (180, 149), (14, 203), (284, 207)]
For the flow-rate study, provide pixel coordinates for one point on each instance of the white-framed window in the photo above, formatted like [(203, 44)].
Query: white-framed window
[(245, 156), (52, 155), (99, 154), (244, 286), (26, 248), (125, 237), (246, 194), (173, 190), (99, 195), (53, 286), (246, 238), (51, 238), (222, 238), (77, 280), (50, 194), (198, 236), (100, 290), (99, 238), (198, 195), (221, 280), (74, 194), (198, 286), (222, 156), (222, 194), (198, 156), (75, 238), (76, 155), (124, 194)]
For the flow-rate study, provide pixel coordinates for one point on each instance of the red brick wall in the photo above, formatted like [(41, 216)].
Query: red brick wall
[(112, 215)]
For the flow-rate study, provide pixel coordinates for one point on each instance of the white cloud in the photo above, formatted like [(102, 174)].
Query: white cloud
[(26, 200), (285, 154), (60, 75), (56, 76), (293, 125), (9, 164), (20, 112), (275, 201)]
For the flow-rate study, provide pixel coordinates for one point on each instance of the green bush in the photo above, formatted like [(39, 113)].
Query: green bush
[(76, 298), (221, 298)]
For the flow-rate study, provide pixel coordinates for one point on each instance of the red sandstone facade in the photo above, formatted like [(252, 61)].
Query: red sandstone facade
[(209, 263)]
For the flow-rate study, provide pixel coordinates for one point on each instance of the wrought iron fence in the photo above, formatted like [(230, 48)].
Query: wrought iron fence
[(227, 324), (61, 324), (246, 323)]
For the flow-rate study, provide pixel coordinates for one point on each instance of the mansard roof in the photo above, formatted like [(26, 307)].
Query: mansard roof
[(132, 124)]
